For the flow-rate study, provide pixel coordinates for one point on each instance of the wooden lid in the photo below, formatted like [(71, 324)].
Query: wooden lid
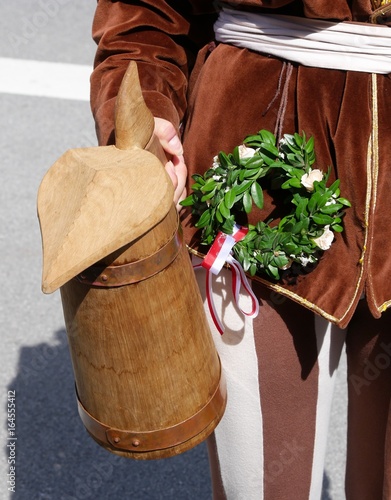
[(92, 202)]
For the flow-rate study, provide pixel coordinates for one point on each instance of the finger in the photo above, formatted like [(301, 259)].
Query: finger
[(177, 172), (180, 171), (181, 198), (170, 169), (168, 137)]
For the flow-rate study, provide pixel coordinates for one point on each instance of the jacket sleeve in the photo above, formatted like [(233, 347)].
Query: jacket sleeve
[(163, 37)]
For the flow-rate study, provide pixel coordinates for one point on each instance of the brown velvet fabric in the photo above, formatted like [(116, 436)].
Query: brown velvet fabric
[(289, 399), (163, 37), (368, 346), (223, 96)]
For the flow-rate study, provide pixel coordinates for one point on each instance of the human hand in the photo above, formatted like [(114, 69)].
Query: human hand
[(175, 166)]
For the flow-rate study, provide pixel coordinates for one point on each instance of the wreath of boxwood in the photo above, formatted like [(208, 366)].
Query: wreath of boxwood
[(236, 182)]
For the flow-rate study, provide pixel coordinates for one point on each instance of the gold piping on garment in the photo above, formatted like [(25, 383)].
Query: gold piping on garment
[(376, 4), (370, 198), (375, 163), (384, 306), (375, 138), (300, 300), (375, 166)]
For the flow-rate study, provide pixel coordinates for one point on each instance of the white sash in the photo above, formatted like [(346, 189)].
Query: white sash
[(311, 42)]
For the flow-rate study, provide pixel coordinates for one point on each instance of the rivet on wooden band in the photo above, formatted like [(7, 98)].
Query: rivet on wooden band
[(158, 439), (133, 272)]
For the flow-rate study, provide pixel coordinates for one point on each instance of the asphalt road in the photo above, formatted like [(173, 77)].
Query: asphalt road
[(54, 457)]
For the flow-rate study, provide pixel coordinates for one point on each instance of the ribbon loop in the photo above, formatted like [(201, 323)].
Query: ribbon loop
[(218, 255)]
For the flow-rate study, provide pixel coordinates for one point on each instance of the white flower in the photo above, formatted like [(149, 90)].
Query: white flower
[(324, 240), (332, 200), (308, 180), (304, 261), (216, 177), (216, 162), (245, 152)]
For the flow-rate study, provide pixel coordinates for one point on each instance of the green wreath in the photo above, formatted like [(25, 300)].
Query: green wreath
[(236, 181)]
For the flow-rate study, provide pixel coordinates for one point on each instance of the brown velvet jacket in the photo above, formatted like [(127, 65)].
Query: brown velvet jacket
[(221, 94)]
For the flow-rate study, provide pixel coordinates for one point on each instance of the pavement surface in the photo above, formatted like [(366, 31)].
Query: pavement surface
[(54, 457)]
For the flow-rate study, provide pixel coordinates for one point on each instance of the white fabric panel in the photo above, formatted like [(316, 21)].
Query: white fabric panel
[(330, 341), (239, 436)]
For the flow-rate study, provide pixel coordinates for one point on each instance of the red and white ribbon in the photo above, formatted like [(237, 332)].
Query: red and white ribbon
[(218, 255)]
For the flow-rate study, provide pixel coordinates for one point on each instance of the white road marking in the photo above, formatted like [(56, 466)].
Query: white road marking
[(45, 79)]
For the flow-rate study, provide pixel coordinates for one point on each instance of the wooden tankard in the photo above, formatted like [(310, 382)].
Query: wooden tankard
[(148, 377)]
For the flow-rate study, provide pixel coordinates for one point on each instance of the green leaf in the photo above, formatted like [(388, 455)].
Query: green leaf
[(313, 201), (297, 172), (219, 217), (246, 262), (208, 196), (251, 173), (187, 202), (324, 197), (252, 138), (345, 202), (268, 160), (250, 236), (204, 219), (309, 146), (228, 225), (229, 198), (280, 261), (209, 185), (247, 202), (232, 176), (298, 139), (293, 182), (235, 155), (323, 220), (334, 186), (244, 186), (257, 194), (270, 149), (273, 270), (224, 160), (267, 136), (291, 248), (302, 207), (298, 227), (208, 240), (331, 209), (198, 178), (224, 210)]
